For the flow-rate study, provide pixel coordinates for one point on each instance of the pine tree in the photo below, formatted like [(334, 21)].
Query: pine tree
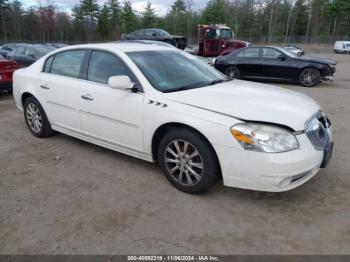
[(149, 16), (104, 22), (90, 10), (178, 16), (129, 18), (115, 16)]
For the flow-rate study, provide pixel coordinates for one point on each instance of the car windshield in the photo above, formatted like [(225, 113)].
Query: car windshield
[(347, 45), (226, 34), (171, 71), (162, 32)]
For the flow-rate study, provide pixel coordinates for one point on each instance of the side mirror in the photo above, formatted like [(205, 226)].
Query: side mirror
[(121, 83), (281, 57)]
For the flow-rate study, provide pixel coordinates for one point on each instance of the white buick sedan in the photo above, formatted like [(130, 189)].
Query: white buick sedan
[(163, 105)]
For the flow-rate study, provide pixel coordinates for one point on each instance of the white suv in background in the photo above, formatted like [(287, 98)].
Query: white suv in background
[(160, 104), (342, 47)]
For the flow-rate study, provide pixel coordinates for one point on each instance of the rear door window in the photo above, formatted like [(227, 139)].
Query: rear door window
[(249, 53), (47, 66), (68, 63)]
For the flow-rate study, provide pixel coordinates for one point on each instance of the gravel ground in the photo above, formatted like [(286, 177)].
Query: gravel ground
[(64, 196)]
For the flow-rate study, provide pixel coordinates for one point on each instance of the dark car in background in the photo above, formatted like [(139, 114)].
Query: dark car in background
[(7, 68), (277, 64), (8, 49), (157, 35), (27, 54)]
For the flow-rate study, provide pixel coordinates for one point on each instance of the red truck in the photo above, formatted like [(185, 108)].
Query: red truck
[(216, 40)]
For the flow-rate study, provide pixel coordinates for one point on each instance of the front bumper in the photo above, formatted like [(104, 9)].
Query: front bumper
[(270, 172)]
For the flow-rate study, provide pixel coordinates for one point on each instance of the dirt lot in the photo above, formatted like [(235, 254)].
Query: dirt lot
[(64, 196)]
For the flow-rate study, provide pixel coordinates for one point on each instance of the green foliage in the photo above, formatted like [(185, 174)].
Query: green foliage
[(259, 20), (129, 19), (215, 12), (104, 25), (115, 15), (149, 16)]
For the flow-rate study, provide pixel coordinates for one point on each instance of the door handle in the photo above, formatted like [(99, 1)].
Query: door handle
[(45, 87), (87, 97)]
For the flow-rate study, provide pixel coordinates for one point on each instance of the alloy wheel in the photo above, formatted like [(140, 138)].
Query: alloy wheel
[(232, 72), (309, 77), (183, 162), (34, 117)]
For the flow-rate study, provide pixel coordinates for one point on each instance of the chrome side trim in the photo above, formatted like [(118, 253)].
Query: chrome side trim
[(109, 119), (60, 105)]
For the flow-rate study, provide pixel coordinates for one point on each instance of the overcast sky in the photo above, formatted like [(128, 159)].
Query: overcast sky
[(161, 6)]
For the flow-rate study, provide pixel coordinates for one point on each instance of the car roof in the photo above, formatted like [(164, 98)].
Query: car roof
[(127, 46)]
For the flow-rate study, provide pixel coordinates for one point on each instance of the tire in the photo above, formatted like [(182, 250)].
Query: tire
[(36, 119), (309, 77), (232, 72), (198, 166)]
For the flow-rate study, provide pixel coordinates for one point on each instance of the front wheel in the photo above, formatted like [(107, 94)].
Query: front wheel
[(188, 161), (232, 72), (309, 77)]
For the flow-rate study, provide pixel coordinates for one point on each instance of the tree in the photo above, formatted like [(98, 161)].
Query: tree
[(3, 7), (129, 19), (78, 23), (215, 12), (46, 22), (104, 22), (115, 16), (16, 17), (149, 16), (90, 10), (177, 17)]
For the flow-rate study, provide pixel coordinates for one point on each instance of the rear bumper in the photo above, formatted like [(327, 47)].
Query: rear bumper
[(5, 85)]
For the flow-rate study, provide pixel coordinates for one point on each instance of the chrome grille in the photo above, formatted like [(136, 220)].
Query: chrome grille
[(319, 131)]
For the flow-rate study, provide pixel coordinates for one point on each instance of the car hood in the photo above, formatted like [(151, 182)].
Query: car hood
[(322, 60), (251, 101)]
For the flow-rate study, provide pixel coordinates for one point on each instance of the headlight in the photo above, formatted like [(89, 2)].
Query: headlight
[(264, 138)]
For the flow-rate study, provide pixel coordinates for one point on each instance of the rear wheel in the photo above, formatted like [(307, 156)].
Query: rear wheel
[(232, 72), (309, 77), (188, 161), (36, 118)]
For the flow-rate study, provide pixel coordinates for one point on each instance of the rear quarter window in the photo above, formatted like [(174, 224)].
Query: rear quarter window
[(47, 65)]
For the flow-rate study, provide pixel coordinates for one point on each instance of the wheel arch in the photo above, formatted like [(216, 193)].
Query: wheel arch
[(25, 96), (310, 66), (163, 129)]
